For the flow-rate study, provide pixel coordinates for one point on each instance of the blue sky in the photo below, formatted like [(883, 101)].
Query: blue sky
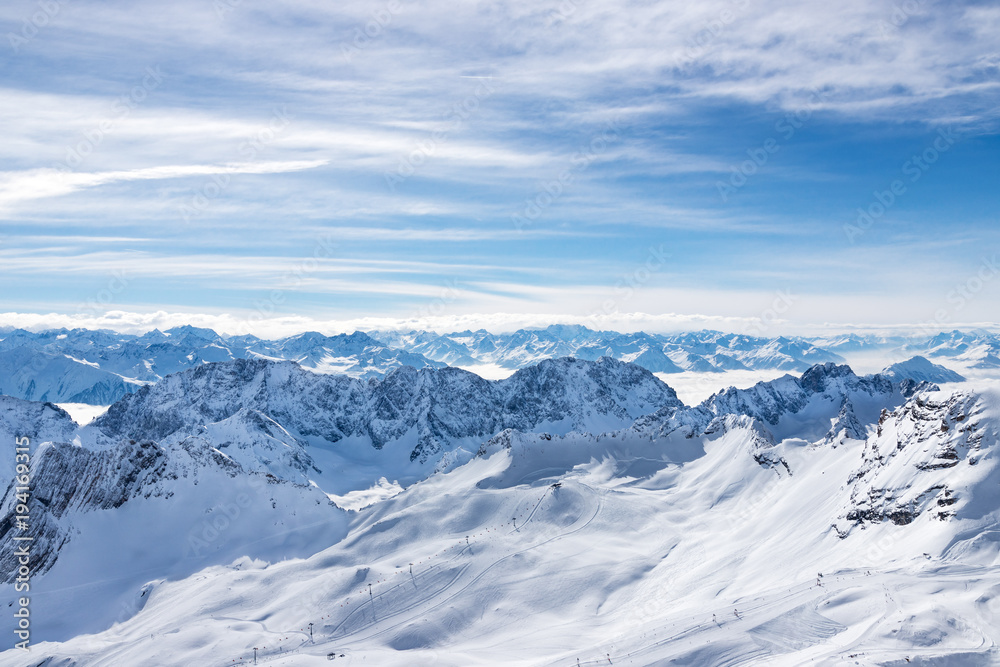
[(276, 166)]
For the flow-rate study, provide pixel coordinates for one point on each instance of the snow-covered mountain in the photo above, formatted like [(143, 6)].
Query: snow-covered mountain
[(233, 421), (426, 412), (36, 375), (575, 511), (829, 397), (847, 343), (921, 462), (39, 422), (356, 354), (115, 522), (99, 367), (829, 518), (922, 370), (704, 351), (260, 442), (976, 349)]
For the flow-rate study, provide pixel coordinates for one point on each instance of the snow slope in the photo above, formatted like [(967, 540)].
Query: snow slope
[(107, 525)]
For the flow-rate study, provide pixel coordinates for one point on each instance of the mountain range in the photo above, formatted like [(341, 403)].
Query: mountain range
[(99, 367)]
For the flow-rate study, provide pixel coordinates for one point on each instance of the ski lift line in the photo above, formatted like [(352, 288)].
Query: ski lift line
[(462, 570), (392, 614), (534, 509), (422, 574), (802, 588), (600, 505)]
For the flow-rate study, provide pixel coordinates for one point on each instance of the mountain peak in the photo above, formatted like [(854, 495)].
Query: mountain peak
[(815, 377), (196, 332), (921, 369)]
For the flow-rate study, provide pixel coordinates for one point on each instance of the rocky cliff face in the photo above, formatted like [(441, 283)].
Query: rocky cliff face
[(825, 391), (435, 407), (71, 485), (922, 459), (39, 422), (67, 479)]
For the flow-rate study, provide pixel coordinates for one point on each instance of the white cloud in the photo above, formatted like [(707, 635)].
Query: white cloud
[(17, 187)]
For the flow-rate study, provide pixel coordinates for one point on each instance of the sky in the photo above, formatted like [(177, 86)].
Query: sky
[(744, 165)]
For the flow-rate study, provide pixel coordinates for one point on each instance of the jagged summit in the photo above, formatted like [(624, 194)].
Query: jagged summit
[(433, 410)]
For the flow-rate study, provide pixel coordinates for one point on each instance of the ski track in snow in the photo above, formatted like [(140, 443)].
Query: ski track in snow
[(765, 609), (379, 622), (681, 635)]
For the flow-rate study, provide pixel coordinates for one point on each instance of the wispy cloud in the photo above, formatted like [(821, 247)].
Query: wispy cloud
[(43, 183), (118, 119)]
